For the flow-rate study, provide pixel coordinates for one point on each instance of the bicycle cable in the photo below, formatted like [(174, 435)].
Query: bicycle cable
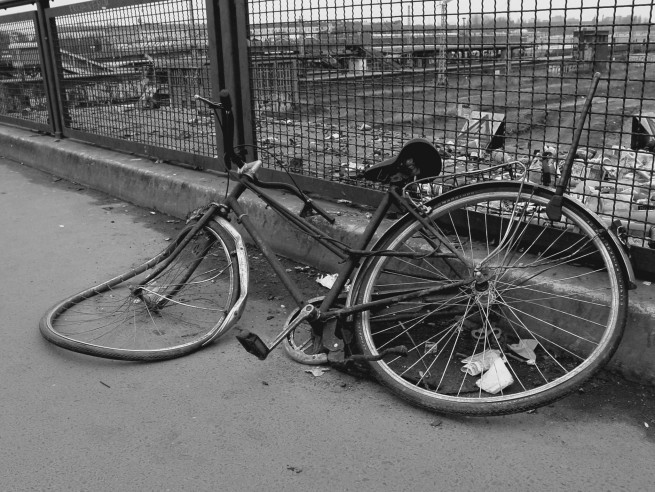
[(278, 162)]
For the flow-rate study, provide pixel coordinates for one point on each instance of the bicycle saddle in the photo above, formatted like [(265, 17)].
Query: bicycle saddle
[(417, 159)]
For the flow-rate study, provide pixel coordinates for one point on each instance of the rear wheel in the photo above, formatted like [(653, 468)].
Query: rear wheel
[(541, 304), (176, 312)]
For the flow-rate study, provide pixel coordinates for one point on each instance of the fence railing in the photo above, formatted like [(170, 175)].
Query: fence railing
[(23, 90), (128, 71), (328, 88)]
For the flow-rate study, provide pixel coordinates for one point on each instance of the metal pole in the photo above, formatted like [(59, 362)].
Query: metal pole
[(54, 68), (227, 25), (48, 68)]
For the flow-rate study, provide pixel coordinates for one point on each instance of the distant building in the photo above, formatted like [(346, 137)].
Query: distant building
[(593, 48)]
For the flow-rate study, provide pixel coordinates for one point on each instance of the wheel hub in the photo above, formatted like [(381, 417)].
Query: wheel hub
[(483, 287)]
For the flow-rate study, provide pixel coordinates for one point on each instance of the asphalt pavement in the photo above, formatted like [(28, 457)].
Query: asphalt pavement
[(221, 420), (176, 190)]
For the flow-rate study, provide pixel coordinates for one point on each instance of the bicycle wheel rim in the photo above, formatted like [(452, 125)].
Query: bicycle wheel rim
[(180, 310), (517, 268)]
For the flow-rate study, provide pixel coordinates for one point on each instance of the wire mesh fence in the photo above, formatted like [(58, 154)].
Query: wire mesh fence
[(487, 82), (22, 89), (338, 86), (131, 71)]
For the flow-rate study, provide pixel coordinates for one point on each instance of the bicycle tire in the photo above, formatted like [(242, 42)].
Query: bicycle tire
[(559, 283), (192, 301)]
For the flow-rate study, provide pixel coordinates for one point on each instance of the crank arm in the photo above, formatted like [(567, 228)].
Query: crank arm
[(256, 346)]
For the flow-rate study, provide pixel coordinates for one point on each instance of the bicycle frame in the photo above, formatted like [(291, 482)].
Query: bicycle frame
[(488, 268), (245, 180), (351, 256)]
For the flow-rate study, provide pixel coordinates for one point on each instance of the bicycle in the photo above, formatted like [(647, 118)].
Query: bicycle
[(489, 298)]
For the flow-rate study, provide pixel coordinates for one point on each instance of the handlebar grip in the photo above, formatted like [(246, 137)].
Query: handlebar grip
[(226, 100)]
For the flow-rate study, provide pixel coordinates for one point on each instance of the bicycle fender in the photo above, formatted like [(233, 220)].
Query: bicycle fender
[(603, 228), (605, 232), (627, 264), (241, 257)]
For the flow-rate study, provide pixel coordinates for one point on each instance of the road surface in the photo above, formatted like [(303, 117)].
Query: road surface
[(221, 420)]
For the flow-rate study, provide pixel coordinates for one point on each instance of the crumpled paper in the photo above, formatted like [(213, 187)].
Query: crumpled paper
[(478, 363), (317, 371), (525, 348), (327, 281), (496, 379)]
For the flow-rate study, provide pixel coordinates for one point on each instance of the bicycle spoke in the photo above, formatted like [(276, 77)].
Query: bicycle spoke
[(552, 285), (166, 316)]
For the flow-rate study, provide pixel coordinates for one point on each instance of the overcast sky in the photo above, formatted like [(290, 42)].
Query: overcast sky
[(368, 9), (289, 10)]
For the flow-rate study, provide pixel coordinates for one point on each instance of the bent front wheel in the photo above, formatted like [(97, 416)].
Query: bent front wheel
[(194, 299), (516, 313)]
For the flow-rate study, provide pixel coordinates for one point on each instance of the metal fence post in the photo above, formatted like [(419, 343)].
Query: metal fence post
[(49, 74), (227, 25), (54, 71)]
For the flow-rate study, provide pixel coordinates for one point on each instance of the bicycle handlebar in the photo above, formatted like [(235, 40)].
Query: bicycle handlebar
[(225, 106), (228, 125)]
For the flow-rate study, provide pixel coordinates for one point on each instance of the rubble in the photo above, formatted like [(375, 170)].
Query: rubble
[(616, 183)]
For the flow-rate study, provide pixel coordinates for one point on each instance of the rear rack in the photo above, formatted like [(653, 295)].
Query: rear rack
[(423, 190)]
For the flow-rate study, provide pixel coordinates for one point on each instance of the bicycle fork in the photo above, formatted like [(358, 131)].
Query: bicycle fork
[(156, 299)]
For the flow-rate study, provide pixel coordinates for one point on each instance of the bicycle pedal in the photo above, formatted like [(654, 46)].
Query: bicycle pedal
[(253, 345)]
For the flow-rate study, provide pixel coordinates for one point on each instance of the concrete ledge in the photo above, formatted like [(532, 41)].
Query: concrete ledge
[(176, 191)]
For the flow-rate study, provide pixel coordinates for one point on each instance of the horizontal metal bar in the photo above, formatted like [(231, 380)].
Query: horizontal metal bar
[(21, 16), (79, 8), (8, 4), (176, 156), (32, 125)]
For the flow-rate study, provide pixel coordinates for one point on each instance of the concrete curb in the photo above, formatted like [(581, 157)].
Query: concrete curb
[(173, 190), (176, 191)]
